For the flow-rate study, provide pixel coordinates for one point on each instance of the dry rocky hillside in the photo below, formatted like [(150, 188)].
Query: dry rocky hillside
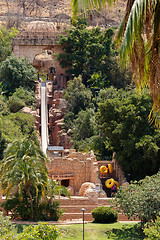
[(20, 12)]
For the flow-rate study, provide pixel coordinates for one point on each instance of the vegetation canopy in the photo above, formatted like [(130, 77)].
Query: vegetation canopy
[(138, 36)]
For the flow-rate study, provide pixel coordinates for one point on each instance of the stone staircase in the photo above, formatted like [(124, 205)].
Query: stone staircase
[(74, 205)]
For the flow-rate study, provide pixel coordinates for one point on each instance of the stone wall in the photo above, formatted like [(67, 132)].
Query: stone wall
[(78, 167)]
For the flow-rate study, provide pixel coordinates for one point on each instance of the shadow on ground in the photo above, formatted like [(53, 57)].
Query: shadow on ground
[(126, 233)]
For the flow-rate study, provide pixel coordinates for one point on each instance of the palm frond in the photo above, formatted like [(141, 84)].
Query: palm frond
[(154, 117), (155, 60), (83, 6)]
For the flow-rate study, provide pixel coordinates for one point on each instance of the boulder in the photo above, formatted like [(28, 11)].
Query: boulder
[(92, 195), (85, 186)]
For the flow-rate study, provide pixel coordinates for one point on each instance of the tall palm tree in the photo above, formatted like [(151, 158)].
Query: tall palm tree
[(23, 167), (139, 37)]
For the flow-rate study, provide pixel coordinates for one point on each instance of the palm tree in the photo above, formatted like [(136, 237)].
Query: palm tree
[(23, 167), (54, 188), (139, 37)]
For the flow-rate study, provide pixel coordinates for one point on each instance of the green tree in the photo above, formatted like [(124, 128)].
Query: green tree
[(88, 51), (78, 98), (18, 126), (6, 37), (23, 168), (139, 36), (140, 199), (84, 125), (16, 73), (124, 126)]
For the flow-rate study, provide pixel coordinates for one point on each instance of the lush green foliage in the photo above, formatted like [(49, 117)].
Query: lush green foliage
[(123, 122), (4, 110), (45, 207), (16, 72), (24, 181), (6, 37), (78, 98), (42, 231), (17, 126), (6, 228), (20, 98), (83, 126), (141, 19), (3, 144), (23, 170), (121, 125), (104, 214), (153, 232), (141, 199), (15, 104), (90, 52)]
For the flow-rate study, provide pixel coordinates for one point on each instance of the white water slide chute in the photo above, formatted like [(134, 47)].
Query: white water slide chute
[(44, 118)]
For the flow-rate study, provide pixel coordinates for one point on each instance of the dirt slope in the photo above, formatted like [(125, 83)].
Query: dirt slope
[(20, 12)]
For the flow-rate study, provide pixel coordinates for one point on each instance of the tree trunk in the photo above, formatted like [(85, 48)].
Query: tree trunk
[(30, 196)]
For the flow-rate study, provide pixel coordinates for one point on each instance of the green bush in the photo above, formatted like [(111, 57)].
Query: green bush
[(42, 231), (4, 110), (19, 125), (141, 199), (27, 96), (49, 211), (153, 232), (104, 214), (6, 228), (15, 104)]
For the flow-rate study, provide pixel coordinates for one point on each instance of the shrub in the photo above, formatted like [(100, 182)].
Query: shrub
[(4, 110), (19, 125), (6, 228), (50, 210), (15, 104), (28, 97), (42, 231), (104, 214), (141, 199), (153, 232)]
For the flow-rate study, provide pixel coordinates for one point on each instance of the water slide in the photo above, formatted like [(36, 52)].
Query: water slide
[(44, 117)]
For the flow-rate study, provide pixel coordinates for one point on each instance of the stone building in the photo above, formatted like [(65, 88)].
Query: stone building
[(73, 169), (38, 43)]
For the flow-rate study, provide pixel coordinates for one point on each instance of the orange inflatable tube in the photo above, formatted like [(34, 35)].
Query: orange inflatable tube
[(109, 183), (110, 168), (103, 169)]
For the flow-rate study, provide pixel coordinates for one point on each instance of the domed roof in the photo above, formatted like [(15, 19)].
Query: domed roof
[(38, 33), (40, 26)]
